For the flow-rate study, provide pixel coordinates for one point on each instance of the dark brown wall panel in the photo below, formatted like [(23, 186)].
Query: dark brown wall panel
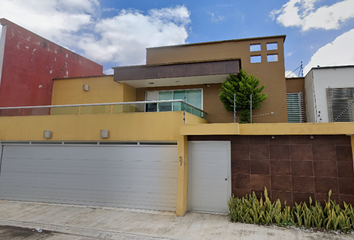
[(293, 168)]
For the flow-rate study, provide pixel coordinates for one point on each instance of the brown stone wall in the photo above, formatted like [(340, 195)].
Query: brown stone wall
[(293, 168)]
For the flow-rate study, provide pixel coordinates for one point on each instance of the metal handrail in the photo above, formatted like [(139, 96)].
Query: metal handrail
[(102, 104)]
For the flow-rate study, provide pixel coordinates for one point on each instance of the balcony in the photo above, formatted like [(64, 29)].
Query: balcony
[(105, 108)]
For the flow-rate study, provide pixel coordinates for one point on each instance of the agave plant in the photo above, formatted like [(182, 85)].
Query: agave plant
[(250, 209)]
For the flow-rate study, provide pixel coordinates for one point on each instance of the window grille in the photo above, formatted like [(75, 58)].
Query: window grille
[(295, 107), (340, 104)]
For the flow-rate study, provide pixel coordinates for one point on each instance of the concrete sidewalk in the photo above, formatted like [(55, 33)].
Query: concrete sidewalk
[(118, 223)]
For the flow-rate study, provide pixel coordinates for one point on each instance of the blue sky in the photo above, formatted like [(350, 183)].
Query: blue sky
[(116, 33)]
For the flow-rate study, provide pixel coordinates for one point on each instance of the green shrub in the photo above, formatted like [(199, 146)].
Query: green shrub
[(250, 209)]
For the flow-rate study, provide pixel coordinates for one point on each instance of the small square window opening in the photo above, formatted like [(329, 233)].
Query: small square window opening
[(255, 47), (256, 59), (272, 58), (272, 46)]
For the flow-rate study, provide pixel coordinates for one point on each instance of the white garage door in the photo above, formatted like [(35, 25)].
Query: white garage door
[(209, 186), (118, 176)]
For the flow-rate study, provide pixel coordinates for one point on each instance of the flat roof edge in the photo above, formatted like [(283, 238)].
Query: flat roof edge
[(4, 21), (294, 78), (328, 67), (222, 41), (109, 75), (177, 63)]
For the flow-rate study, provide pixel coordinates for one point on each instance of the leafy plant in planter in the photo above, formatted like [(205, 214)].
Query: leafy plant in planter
[(243, 85), (328, 216)]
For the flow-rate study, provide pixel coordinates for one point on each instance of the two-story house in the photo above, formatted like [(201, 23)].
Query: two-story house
[(157, 136)]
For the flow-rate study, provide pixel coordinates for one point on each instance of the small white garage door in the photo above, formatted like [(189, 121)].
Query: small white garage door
[(140, 176), (209, 187)]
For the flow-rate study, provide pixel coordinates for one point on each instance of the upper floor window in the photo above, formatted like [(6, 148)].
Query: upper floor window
[(256, 59), (193, 97), (255, 47), (272, 46), (272, 58)]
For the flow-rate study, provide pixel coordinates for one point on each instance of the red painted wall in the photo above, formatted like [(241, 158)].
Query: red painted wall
[(31, 62)]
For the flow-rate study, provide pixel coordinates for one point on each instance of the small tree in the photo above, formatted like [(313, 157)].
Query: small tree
[(243, 85)]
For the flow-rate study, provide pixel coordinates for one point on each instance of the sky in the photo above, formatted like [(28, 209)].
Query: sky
[(117, 32)]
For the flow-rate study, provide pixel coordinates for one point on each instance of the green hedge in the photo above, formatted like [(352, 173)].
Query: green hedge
[(249, 209)]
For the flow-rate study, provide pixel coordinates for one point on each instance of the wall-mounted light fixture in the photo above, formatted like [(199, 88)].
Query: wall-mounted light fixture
[(104, 133), (312, 137), (273, 137), (86, 87), (47, 134)]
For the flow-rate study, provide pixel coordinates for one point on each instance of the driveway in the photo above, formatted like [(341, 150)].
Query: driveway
[(118, 223), (17, 233)]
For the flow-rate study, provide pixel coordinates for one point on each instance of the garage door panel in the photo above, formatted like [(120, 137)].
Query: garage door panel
[(117, 176), (138, 184), (66, 179), (85, 167), (94, 187), (97, 195), (106, 152), (153, 173), (111, 202)]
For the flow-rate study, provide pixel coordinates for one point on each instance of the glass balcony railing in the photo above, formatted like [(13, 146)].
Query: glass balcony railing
[(104, 108)]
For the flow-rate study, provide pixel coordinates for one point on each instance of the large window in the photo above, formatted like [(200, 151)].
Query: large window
[(340, 104), (193, 97)]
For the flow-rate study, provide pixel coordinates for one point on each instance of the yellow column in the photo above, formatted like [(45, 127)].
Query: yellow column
[(182, 183), (352, 142)]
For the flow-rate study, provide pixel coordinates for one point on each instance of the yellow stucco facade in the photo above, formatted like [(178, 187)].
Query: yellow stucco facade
[(343, 128), (163, 126), (102, 89)]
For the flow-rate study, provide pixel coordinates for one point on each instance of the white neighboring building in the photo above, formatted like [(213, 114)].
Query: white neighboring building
[(329, 94)]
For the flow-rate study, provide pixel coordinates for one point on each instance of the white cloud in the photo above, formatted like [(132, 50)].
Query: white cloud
[(76, 24), (56, 20), (303, 14), (109, 71), (216, 18), (110, 9), (290, 74), (90, 6), (124, 38), (338, 52), (178, 15), (224, 5)]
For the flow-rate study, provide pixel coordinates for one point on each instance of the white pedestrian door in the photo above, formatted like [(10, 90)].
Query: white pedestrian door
[(209, 187)]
